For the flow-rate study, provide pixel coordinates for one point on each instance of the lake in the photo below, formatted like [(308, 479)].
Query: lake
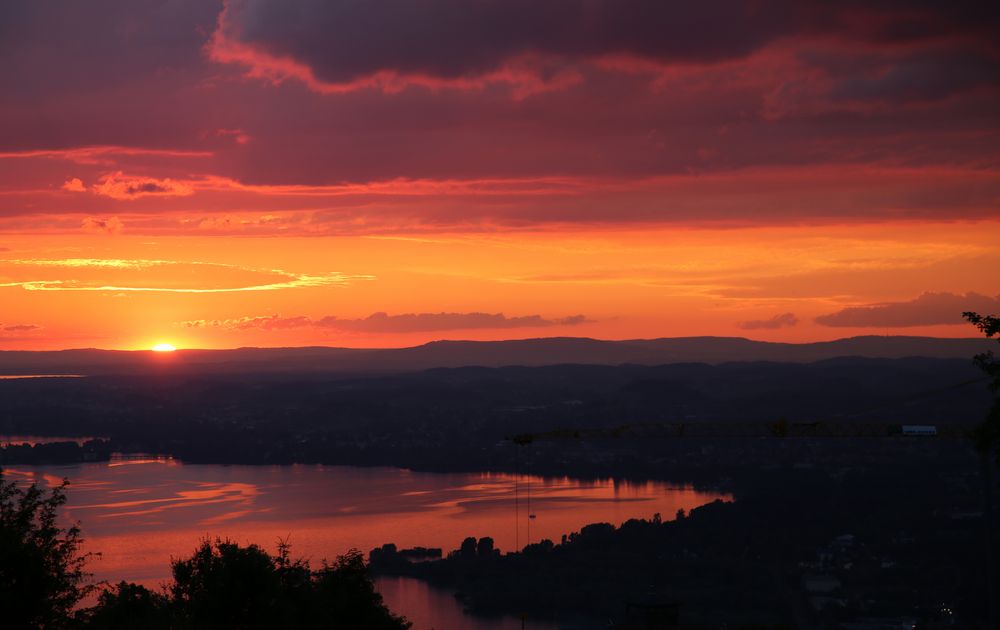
[(32, 440), (8, 377), (141, 512)]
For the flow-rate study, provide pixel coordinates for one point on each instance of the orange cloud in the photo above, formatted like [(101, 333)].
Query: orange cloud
[(74, 184), (102, 154), (385, 323), (161, 276), (267, 322), (407, 187)]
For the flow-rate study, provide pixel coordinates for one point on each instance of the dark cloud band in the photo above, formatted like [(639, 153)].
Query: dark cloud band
[(343, 40)]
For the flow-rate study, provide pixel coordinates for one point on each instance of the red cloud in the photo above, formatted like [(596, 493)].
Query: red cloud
[(757, 196), (773, 113)]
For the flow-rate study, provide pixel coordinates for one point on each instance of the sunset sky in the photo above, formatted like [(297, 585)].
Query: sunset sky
[(386, 173)]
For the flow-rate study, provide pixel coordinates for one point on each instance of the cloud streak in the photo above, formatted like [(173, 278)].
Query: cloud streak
[(818, 194), (929, 309), (280, 279), (20, 328), (385, 323), (124, 187), (784, 320), (99, 155), (553, 113)]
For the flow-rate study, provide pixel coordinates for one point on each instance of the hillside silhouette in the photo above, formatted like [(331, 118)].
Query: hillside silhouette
[(525, 352)]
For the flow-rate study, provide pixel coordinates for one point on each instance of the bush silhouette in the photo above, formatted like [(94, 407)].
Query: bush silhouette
[(126, 606), (221, 585), (42, 576), (225, 585)]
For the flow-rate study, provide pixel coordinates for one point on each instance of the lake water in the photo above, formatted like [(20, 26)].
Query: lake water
[(32, 440), (8, 377), (140, 513)]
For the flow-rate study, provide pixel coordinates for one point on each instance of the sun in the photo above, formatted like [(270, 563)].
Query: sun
[(163, 347)]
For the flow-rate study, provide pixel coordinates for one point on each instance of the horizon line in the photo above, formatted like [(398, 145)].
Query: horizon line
[(496, 341)]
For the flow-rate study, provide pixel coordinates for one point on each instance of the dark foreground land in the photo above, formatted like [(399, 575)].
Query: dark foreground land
[(898, 543), (459, 419), (839, 520)]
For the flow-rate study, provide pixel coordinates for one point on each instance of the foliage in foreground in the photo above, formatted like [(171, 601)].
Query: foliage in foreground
[(987, 435), (42, 575), (222, 585)]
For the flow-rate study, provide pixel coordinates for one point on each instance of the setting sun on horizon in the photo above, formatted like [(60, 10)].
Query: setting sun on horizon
[(164, 347)]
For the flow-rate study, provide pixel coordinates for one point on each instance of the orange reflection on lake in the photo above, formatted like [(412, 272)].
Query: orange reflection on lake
[(142, 514)]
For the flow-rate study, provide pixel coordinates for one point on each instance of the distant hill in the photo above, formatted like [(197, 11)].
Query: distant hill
[(526, 352)]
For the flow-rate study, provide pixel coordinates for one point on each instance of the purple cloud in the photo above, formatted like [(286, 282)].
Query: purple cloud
[(929, 309), (340, 42), (21, 328), (784, 320)]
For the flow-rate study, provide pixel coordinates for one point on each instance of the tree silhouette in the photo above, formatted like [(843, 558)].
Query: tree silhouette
[(42, 576), (222, 584), (346, 597), (225, 585), (126, 606), (987, 435)]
